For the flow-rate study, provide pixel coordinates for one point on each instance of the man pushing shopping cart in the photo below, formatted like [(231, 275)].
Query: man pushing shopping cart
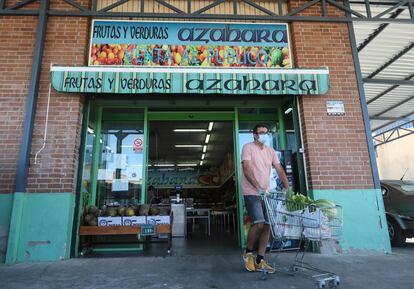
[(257, 162)]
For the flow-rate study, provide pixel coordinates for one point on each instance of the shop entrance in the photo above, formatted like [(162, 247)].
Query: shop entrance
[(191, 166), (143, 157)]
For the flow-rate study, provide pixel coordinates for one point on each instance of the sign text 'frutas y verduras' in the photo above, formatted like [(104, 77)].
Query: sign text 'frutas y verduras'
[(189, 44)]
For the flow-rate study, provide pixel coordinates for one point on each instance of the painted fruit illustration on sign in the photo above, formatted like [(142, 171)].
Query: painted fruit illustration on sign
[(189, 55)]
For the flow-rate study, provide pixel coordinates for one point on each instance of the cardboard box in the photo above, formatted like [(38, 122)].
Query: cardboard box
[(109, 221), (134, 220), (155, 220)]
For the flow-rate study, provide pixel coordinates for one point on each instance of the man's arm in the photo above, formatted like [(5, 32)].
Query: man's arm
[(281, 174), (248, 173)]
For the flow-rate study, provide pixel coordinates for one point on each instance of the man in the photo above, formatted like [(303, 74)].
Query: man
[(257, 161)]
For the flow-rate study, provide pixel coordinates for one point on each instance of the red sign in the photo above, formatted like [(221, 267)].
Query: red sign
[(138, 145)]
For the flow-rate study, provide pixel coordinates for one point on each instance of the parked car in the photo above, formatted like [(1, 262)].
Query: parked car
[(398, 198)]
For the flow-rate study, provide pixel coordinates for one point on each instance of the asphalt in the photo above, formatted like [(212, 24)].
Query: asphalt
[(209, 270)]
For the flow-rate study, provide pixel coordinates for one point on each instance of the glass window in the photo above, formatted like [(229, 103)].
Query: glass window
[(120, 169)]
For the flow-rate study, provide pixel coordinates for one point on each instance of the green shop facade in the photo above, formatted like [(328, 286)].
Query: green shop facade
[(191, 72)]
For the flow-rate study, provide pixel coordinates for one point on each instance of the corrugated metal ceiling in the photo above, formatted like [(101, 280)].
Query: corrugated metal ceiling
[(389, 55)]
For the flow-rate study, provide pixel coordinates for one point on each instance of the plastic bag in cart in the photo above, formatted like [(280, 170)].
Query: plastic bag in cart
[(288, 224), (314, 218), (315, 224), (323, 232)]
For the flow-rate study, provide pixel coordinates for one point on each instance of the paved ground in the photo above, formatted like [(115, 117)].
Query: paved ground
[(207, 271)]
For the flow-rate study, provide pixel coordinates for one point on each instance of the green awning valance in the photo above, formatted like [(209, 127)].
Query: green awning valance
[(190, 80)]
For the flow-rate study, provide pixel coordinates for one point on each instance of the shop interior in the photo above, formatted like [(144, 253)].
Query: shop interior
[(191, 163)]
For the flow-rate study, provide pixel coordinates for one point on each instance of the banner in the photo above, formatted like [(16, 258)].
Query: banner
[(189, 44), (165, 80)]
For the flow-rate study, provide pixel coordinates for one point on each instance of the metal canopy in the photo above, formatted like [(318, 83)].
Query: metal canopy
[(386, 54), (366, 11), (385, 44)]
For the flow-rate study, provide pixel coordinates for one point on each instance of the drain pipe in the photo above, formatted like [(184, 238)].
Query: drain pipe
[(46, 124)]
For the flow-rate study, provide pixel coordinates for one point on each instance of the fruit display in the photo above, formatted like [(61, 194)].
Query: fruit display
[(91, 213), (189, 55)]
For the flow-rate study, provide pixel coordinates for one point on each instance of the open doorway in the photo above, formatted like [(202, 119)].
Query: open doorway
[(192, 163)]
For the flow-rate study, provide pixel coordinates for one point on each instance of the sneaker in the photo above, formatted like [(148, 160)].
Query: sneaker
[(249, 262), (264, 266)]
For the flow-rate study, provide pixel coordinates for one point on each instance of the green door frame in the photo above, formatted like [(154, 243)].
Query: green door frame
[(233, 116)]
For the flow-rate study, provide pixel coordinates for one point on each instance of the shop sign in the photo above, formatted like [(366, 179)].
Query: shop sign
[(142, 80), (185, 179), (189, 44)]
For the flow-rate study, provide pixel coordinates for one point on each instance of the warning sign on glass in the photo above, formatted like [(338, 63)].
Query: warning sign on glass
[(138, 145)]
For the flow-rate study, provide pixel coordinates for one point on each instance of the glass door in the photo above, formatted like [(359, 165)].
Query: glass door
[(119, 162)]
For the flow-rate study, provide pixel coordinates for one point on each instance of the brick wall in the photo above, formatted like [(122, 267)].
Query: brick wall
[(66, 44), (17, 36), (336, 147)]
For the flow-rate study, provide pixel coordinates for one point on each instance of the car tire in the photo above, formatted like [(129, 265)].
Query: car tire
[(396, 234)]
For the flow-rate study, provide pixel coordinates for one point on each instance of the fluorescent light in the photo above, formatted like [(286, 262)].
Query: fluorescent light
[(164, 165), (190, 130), (288, 110), (201, 163), (210, 126), (204, 149), (90, 130), (188, 146), (100, 140), (203, 156), (186, 165), (207, 138), (108, 148)]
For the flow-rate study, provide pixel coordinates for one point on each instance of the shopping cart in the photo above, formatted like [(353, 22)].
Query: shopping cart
[(291, 221)]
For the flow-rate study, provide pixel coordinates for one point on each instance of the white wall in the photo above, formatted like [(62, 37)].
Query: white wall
[(395, 157)]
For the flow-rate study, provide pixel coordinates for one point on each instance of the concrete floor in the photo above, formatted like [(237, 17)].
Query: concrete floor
[(206, 266)]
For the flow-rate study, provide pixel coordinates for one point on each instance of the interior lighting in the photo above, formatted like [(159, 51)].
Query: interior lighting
[(207, 138), (201, 163), (164, 165), (186, 165), (190, 130), (204, 149), (90, 130), (203, 156), (288, 110), (188, 146), (210, 126)]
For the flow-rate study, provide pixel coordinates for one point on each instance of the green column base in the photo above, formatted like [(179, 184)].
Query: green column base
[(364, 222), (40, 227), (6, 201)]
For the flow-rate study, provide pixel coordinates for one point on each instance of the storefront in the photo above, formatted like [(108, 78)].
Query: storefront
[(190, 136), (162, 110)]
